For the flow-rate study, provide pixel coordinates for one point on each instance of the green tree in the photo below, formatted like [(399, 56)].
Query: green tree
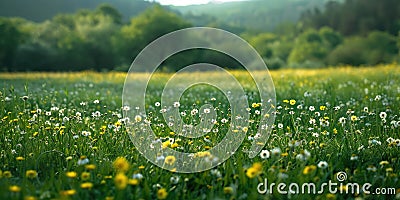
[(107, 10), (377, 47), (357, 17), (10, 38), (145, 28), (262, 43), (308, 47)]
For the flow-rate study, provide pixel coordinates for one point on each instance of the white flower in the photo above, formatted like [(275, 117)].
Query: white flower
[(304, 155), (216, 173), (224, 120), (137, 176), (83, 103), (374, 142), (174, 180), (206, 110), (322, 164), (86, 133), (176, 104), (157, 104), (311, 108), (354, 157), (54, 108), (382, 115), (371, 168), (342, 120), (280, 125), (390, 140), (282, 175), (96, 114), (299, 106), (126, 108), (83, 161), (65, 119), (264, 154), (194, 112), (96, 101), (276, 151), (138, 118), (160, 158)]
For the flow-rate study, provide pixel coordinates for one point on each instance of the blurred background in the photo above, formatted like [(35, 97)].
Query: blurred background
[(105, 35)]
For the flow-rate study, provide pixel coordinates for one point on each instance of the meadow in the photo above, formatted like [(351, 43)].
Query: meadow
[(62, 136)]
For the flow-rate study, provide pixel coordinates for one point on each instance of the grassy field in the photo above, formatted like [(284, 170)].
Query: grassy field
[(62, 136)]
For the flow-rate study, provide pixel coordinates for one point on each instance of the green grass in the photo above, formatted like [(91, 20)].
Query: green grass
[(51, 142)]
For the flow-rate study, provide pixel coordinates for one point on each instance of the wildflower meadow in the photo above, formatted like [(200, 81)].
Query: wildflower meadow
[(63, 136)]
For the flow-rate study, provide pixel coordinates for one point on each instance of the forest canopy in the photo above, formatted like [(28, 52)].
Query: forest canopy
[(353, 32)]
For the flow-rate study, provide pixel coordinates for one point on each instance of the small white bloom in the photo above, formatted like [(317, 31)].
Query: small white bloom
[(322, 164), (177, 104), (382, 115), (138, 118), (276, 151), (86, 133), (83, 161), (137, 176), (264, 154), (174, 179)]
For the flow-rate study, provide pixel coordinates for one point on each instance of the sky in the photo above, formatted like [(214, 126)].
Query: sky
[(189, 2)]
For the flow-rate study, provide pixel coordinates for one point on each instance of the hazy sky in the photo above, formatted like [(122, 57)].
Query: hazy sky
[(189, 2)]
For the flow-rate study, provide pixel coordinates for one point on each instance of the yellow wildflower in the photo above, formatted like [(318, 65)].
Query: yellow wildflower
[(87, 185), (31, 174), (121, 164), (14, 188), (133, 181), (85, 176), (309, 169), (71, 174), (162, 193), (169, 160), (90, 167), (121, 181)]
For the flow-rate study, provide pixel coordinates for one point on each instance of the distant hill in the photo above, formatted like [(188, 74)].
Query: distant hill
[(262, 15), (258, 15), (40, 10)]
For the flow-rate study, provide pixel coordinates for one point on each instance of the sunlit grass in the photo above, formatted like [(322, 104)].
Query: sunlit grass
[(62, 135)]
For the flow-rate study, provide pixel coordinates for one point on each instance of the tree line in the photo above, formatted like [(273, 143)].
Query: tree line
[(100, 40)]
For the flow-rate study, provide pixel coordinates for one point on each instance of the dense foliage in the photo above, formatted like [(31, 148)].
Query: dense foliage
[(101, 39)]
